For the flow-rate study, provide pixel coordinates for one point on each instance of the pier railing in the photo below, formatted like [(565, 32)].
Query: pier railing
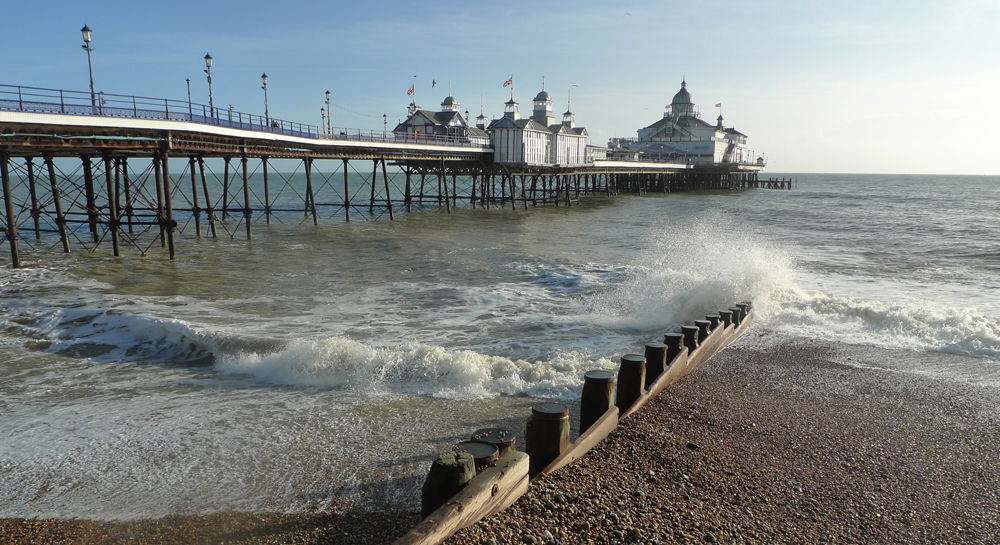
[(19, 98)]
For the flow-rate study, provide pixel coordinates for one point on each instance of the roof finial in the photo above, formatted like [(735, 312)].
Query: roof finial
[(543, 83)]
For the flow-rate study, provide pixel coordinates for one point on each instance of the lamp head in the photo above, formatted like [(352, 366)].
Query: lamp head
[(263, 78), (328, 96), (208, 60), (86, 33)]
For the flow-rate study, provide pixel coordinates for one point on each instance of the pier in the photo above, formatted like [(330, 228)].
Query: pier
[(129, 173)]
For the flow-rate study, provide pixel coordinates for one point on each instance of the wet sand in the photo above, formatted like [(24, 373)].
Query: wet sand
[(764, 444)]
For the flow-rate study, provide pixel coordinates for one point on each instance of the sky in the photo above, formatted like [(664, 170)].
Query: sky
[(875, 86)]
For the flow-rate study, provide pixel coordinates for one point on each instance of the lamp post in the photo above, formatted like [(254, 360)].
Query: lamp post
[(385, 119), (190, 111), (322, 117), (267, 115), (329, 114), (87, 34), (208, 70)]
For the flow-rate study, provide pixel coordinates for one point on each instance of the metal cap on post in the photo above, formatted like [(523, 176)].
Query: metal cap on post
[(483, 453), (503, 439)]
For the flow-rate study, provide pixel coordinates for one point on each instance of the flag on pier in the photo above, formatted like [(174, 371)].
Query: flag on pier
[(410, 92), (719, 105), (510, 81)]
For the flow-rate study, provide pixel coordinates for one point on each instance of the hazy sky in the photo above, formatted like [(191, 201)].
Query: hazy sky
[(848, 86)]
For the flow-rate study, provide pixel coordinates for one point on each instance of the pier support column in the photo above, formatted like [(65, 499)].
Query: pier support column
[(347, 194), (310, 196), (168, 206), (88, 186), (195, 209), (57, 201), (388, 195), (267, 190), (208, 198), (112, 204), (160, 215), (247, 212), (225, 189), (127, 189), (8, 201), (35, 212)]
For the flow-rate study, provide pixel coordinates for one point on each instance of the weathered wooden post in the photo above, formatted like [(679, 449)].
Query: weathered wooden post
[(675, 343), (597, 397), (690, 333), (714, 321), (503, 439), (656, 362), (737, 315), (449, 474), (631, 379), (703, 330), (545, 435), (727, 317)]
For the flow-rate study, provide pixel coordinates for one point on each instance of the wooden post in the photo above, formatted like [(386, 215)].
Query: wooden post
[(631, 380), (656, 362), (737, 315), (57, 200), (703, 330), (247, 213), (727, 317), (545, 435), (168, 205), (195, 209), (690, 336), (88, 183), (35, 212), (744, 309), (388, 196), (310, 196), (267, 190), (449, 474), (714, 320), (208, 198), (347, 194), (8, 201), (112, 205), (597, 397), (675, 343)]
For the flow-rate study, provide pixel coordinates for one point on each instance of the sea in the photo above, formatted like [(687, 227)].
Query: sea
[(318, 369)]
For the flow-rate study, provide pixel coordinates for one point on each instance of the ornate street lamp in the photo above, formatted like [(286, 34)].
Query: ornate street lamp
[(385, 119), (329, 114), (267, 115), (87, 36), (190, 110), (208, 70), (322, 117)]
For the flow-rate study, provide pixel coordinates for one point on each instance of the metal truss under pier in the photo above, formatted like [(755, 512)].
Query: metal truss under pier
[(128, 185)]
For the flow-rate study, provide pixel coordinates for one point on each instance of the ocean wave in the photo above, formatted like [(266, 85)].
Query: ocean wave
[(338, 362)]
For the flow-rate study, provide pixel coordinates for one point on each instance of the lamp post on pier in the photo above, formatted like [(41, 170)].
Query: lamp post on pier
[(267, 115), (208, 70), (385, 119), (87, 35), (190, 110), (329, 114), (322, 117)]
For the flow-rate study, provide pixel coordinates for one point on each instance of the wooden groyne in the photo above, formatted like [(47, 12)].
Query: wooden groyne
[(503, 484)]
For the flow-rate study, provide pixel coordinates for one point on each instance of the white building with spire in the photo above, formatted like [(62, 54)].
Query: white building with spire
[(447, 123), (682, 134), (539, 139)]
